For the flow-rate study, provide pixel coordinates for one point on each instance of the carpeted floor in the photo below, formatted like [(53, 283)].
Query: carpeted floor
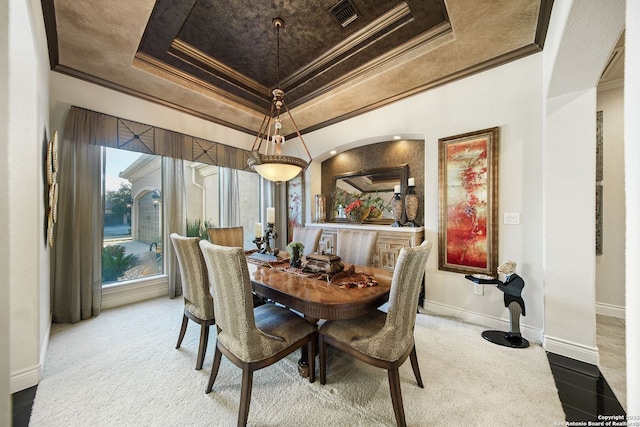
[(121, 369)]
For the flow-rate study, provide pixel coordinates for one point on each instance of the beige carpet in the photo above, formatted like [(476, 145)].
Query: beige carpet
[(121, 369)]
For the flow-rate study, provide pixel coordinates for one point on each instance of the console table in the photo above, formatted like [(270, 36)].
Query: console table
[(390, 240)]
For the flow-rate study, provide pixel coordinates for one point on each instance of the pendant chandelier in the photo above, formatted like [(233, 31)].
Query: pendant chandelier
[(272, 164)]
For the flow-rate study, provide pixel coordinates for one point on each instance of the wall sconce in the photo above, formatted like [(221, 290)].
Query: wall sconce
[(156, 198)]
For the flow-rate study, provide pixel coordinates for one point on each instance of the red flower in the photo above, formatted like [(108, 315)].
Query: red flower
[(353, 206)]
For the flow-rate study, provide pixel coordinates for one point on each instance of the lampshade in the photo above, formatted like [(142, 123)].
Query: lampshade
[(279, 168), (272, 164)]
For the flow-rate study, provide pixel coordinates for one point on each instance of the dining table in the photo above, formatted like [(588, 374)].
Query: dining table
[(316, 297)]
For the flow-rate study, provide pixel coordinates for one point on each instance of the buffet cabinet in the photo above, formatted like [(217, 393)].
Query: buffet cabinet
[(390, 240)]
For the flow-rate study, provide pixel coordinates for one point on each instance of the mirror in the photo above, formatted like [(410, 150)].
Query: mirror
[(373, 186)]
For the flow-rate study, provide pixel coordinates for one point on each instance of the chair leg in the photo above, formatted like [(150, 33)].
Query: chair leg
[(311, 357), (217, 356), (416, 369), (396, 396), (323, 360), (245, 396), (183, 329), (202, 348)]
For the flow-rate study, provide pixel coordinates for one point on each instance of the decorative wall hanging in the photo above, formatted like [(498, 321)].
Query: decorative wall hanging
[(52, 181), (468, 185), (295, 205), (599, 180)]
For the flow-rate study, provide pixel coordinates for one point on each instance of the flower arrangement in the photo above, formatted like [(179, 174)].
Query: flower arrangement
[(357, 204), (366, 205)]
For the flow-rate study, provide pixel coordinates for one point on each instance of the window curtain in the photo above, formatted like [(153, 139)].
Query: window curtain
[(76, 292), (174, 206), (229, 198)]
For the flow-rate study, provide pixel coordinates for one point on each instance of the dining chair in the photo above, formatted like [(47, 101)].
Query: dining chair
[(356, 246), (309, 237), (198, 303), (227, 236), (384, 339), (233, 237), (250, 338)]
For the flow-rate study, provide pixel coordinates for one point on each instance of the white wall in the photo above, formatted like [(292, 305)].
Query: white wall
[(569, 244), (5, 367), (610, 266), (509, 97), (632, 184), (580, 38), (28, 251)]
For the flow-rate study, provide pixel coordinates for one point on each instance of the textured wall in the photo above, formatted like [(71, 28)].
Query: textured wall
[(383, 154)]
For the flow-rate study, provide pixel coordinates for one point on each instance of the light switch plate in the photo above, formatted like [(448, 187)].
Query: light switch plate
[(512, 218)]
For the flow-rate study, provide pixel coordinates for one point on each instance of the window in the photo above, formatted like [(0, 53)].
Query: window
[(221, 197), (133, 233), (133, 211)]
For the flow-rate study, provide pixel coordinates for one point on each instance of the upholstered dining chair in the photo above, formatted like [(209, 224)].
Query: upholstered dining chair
[(198, 303), (356, 246), (383, 339), (227, 236), (233, 237), (309, 237), (250, 338)]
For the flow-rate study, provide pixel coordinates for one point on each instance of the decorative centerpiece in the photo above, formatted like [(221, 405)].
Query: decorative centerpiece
[(295, 254), (323, 263)]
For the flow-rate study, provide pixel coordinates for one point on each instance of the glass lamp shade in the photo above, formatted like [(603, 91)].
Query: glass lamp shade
[(277, 168), (321, 207)]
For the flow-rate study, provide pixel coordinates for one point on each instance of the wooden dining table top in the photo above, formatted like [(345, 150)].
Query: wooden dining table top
[(318, 299)]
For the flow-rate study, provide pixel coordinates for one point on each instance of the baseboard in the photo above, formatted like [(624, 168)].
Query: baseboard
[(31, 376), (532, 334), (26, 378), (139, 290), (571, 349), (611, 310)]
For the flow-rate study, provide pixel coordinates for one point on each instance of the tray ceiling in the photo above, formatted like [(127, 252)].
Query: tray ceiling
[(217, 60)]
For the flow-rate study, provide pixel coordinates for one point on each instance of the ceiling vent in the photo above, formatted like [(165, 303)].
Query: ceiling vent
[(344, 12)]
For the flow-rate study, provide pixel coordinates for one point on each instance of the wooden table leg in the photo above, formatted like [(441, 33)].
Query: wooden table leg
[(303, 367)]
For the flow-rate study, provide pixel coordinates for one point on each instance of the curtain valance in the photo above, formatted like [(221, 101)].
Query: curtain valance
[(134, 136)]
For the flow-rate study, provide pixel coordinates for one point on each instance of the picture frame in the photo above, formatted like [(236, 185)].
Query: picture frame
[(468, 193)]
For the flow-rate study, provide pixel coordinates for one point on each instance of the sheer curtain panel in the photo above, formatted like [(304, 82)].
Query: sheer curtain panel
[(174, 205), (76, 256)]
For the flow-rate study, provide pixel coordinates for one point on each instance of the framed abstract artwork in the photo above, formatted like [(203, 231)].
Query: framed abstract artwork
[(468, 190), (295, 204)]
